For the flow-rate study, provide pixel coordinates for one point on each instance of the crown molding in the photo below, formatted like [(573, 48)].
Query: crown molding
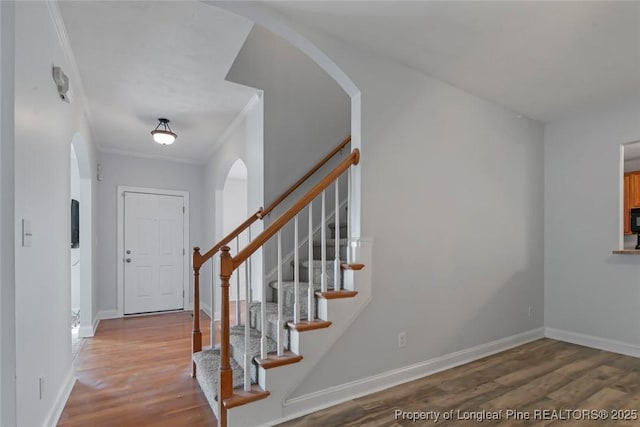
[(108, 150), (74, 74)]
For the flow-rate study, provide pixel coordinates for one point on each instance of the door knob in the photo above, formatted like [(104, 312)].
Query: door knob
[(128, 259), (128, 251)]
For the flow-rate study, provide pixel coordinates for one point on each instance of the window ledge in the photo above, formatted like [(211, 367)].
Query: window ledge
[(627, 252)]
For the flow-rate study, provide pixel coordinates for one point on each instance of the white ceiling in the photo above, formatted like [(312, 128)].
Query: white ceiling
[(142, 60), (541, 59)]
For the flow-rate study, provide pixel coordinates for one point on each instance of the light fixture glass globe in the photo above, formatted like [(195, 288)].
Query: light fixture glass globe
[(163, 137)]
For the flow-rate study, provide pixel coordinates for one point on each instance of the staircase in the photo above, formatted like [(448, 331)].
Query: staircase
[(259, 361), (208, 361)]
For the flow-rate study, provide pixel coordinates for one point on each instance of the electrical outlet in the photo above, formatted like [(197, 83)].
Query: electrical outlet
[(402, 339), (530, 311)]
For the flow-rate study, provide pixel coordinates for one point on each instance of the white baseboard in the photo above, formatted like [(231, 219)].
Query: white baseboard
[(108, 314), (593, 341), (89, 331), (61, 399), (302, 405), (207, 309)]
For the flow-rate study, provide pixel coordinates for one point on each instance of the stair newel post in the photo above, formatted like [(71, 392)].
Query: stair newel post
[(336, 263), (280, 332), (225, 382), (196, 334), (310, 301), (296, 273), (323, 247)]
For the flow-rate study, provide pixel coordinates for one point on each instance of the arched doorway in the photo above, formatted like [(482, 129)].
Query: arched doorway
[(83, 258), (74, 184)]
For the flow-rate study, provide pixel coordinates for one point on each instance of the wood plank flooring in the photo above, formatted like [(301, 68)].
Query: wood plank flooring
[(542, 375), (136, 372)]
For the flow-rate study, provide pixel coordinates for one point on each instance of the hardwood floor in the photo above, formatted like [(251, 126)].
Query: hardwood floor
[(136, 372), (542, 375)]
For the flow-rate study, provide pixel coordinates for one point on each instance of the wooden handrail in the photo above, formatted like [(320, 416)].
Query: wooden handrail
[(306, 176), (228, 238), (262, 238), (199, 259)]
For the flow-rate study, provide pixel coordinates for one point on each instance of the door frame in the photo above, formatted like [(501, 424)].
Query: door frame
[(186, 284)]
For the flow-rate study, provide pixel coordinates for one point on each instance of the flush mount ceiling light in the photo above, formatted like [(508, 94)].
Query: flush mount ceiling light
[(163, 136)]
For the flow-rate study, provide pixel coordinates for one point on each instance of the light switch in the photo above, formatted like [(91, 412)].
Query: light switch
[(26, 233)]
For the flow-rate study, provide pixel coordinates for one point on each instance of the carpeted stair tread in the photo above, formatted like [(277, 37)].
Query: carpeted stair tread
[(207, 365), (236, 339)]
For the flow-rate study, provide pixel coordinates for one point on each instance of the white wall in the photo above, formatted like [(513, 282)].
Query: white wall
[(242, 140), (588, 290), (139, 172), (452, 194), (234, 212), (7, 248), (44, 129), (306, 114)]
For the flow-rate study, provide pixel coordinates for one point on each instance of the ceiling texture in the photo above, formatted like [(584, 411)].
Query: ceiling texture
[(544, 60), (141, 60)]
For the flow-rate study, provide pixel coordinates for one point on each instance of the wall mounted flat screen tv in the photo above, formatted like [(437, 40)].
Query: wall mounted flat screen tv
[(75, 224)]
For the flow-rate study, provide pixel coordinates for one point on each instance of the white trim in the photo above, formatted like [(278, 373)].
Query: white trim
[(107, 314), (593, 342), (237, 120), (77, 87), (88, 332), (207, 309), (109, 150), (61, 399), (303, 405), (121, 189)]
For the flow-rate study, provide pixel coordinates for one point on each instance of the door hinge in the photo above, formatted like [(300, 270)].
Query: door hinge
[(183, 210), (184, 252)]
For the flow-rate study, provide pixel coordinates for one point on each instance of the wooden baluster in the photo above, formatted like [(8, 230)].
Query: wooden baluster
[(225, 380), (310, 297), (323, 248), (280, 332), (336, 262), (296, 273), (196, 335)]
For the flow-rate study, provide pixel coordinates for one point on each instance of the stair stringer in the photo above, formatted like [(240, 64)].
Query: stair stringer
[(282, 382)]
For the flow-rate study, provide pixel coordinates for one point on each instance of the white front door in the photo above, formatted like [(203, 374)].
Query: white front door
[(153, 252)]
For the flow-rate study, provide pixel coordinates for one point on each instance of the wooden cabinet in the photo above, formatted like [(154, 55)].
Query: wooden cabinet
[(631, 197)]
